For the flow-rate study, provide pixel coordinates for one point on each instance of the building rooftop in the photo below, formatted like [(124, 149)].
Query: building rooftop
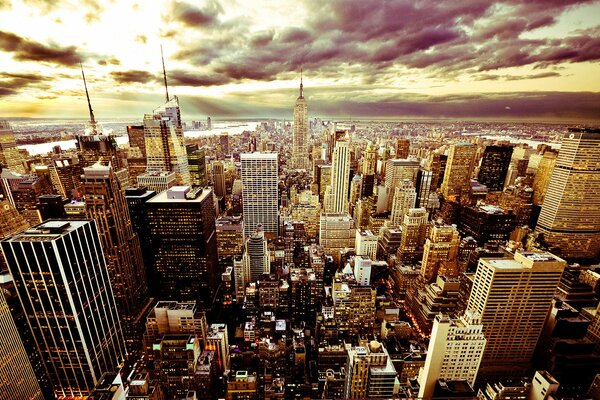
[(163, 197)]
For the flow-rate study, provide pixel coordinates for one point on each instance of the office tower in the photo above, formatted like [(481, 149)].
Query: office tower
[(355, 190), (240, 279), (323, 180), (230, 239), (256, 256), (414, 234), (9, 153), (91, 341), (436, 163), (182, 233), (440, 247), (459, 167), (439, 297), (218, 341), (399, 170), (370, 160), (340, 177), (494, 166), (513, 297), (370, 372), (136, 199), (105, 203), (260, 192), (487, 224), (367, 185), (25, 196), (218, 174), (570, 216), (336, 232), (300, 159), (157, 181), (542, 176), (136, 153), (224, 143), (454, 353), (174, 318), (197, 165), (65, 173), (402, 148), (404, 199), (423, 187), (366, 244), (308, 210), (165, 144), (98, 148)]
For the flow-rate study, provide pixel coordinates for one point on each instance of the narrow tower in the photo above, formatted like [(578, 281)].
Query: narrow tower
[(92, 119)]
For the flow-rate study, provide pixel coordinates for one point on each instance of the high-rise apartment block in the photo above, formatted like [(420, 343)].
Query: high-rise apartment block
[(260, 192), (78, 319), (570, 216)]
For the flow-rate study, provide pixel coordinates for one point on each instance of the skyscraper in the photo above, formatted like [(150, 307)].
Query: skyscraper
[(256, 256), (300, 158), (105, 203), (136, 153), (164, 141), (494, 166), (182, 232), (260, 192), (455, 351), (340, 177), (459, 167), (402, 148), (440, 247), (403, 200), (76, 324), (414, 234), (197, 165), (513, 297), (570, 216), (9, 153)]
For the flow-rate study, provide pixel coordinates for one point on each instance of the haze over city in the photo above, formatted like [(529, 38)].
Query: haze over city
[(505, 60)]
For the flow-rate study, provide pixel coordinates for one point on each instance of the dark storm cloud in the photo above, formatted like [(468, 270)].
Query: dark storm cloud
[(12, 83), (28, 50), (445, 38), (133, 76), (191, 15), (185, 78)]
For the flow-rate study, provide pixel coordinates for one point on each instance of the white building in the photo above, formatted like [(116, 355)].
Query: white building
[(340, 176), (454, 353), (260, 191)]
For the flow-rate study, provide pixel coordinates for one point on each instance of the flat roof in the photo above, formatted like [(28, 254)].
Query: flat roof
[(162, 198)]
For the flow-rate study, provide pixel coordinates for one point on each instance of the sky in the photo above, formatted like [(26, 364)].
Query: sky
[(525, 60)]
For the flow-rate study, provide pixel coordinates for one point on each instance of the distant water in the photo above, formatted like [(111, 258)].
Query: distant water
[(532, 143), (231, 128)]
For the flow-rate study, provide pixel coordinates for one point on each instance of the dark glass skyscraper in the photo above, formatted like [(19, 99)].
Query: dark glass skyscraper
[(182, 231), (494, 166), (62, 281)]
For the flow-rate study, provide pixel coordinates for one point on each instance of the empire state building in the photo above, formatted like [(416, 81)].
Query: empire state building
[(300, 155)]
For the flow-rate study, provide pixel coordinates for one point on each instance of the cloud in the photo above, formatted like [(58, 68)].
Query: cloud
[(13, 83), (133, 76), (186, 78), (190, 15), (29, 50)]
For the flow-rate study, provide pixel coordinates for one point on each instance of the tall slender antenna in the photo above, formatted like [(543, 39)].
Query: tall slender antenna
[(301, 94), (92, 119), (164, 73)]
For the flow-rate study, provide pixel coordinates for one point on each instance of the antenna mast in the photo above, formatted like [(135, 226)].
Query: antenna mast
[(92, 119), (164, 72)]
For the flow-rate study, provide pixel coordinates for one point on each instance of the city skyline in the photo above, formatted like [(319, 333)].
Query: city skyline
[(507, 60)]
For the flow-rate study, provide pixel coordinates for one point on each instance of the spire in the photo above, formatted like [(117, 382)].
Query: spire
[(301, 93), (164, 73), (92, 119)]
